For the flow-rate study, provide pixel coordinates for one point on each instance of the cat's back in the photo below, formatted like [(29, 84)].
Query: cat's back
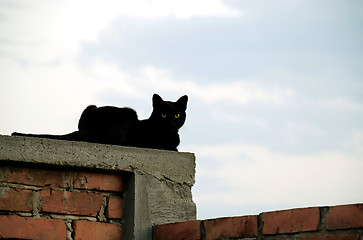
[(95, 117)]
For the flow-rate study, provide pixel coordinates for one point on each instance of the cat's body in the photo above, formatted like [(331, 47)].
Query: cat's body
[(120, 126)]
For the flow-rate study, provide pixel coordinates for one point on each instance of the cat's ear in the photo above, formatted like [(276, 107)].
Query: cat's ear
[(157, 101), (182, 102)]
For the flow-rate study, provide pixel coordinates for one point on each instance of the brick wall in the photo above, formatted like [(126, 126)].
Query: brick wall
[(52, 189), (41, 203), (316, 223)]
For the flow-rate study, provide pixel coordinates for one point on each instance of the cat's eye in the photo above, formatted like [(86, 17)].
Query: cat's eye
[(177, 116), (163, 115)]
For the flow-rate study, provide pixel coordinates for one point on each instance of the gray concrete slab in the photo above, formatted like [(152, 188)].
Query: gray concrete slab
[(176, 166)]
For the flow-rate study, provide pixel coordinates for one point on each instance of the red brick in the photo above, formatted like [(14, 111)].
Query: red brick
[(291, 221), (30, 228), (39, 177), (84, 230), (333, 237), (233, 227), (99, 181), (345, 217), (66, 202), (115, 208), (16, 199), (189, 230)]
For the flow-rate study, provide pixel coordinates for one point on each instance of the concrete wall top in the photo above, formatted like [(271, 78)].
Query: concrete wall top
[(176, 166)]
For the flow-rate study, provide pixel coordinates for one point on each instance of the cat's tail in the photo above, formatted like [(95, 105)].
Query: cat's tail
[(74, 136)]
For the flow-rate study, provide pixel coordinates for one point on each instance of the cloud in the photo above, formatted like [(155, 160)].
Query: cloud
[(238, 92), (340, 103), (305, 128), (38, 98), (356, 141), (48, 31), (178, 9), (245, 175)]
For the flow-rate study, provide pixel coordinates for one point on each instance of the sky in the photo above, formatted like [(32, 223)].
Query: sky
[(275, 88)]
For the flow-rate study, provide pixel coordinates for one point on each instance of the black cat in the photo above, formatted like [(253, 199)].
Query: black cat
[(121, 126)]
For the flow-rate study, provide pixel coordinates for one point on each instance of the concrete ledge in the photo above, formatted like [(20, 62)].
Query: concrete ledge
[(175, 166)]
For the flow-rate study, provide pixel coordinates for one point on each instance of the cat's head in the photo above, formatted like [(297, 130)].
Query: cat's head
[(169, 114)]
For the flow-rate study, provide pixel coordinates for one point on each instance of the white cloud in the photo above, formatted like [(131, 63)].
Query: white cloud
[(340, 103), (244, 175), (356, 141), (238, 92), (243, 92), (38, 98), (178, 9), (305, 128), (50, 30)]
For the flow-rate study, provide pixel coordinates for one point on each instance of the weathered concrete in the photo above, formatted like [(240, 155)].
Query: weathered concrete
[(158, 189), (175, 166)]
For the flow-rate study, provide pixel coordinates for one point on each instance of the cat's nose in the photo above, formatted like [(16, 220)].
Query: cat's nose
[(174, 127)]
